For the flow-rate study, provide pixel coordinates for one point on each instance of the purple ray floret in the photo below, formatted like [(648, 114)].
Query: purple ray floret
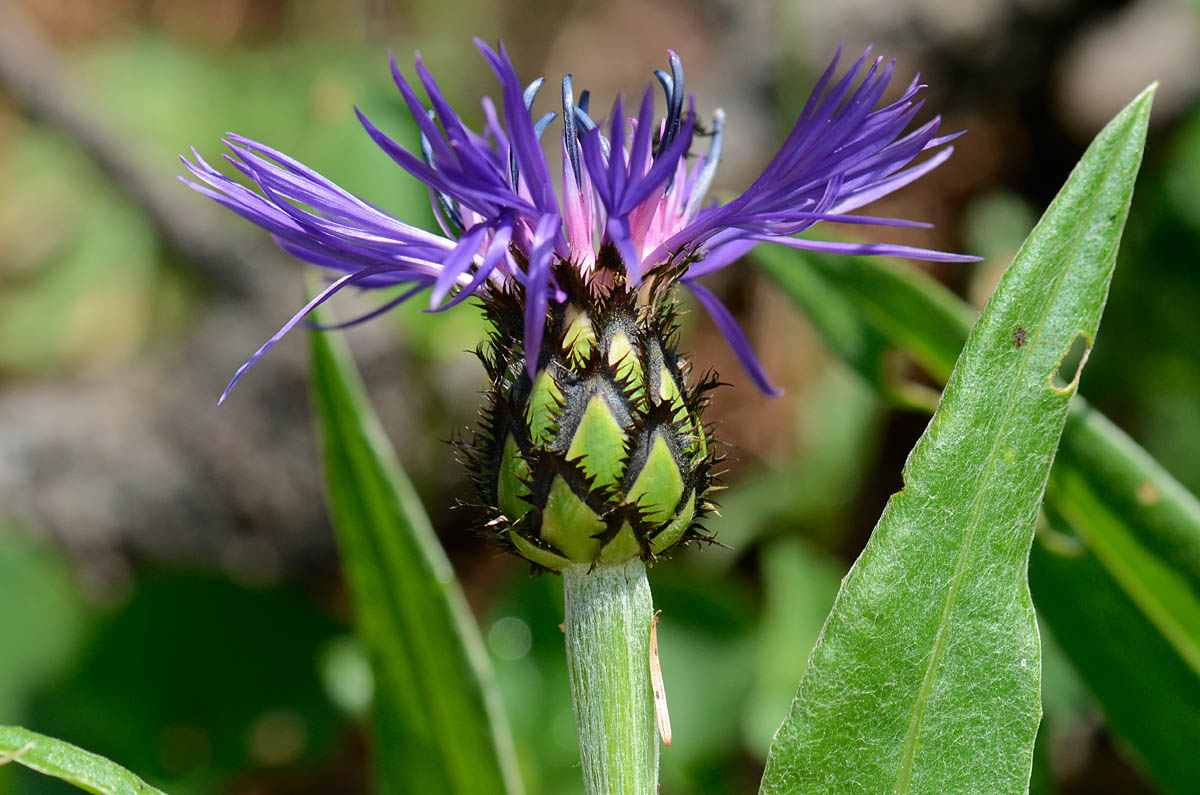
[(503, 226)]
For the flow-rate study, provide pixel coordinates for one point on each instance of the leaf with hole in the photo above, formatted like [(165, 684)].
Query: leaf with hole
[(1123, 493), (926, 675)]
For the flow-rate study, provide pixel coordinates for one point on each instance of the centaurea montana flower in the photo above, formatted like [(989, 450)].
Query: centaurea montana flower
[(592, 449)]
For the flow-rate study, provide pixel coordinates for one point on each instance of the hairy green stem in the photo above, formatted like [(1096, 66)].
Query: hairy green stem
[(608, 616)]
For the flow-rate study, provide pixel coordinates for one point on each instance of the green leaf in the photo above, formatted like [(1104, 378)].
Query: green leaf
[(439, 720), (1163, 593), (1153, 506), (903, 308), (73, 765), (926, 676), (1151, 696), (912, 312), (1133, 498)]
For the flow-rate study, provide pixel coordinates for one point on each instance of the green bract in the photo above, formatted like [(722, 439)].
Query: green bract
[(602, 457)]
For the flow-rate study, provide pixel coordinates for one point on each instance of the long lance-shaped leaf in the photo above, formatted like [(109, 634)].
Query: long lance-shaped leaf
[(85, 770), (1162, 592), (440, 726), (1137, 522), (1162, 514), (926, 675)]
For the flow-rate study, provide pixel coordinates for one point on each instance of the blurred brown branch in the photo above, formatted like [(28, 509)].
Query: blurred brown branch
[(31, 73), (138, 460)]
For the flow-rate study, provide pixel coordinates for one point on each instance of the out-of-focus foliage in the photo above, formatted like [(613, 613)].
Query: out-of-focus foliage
[(86, 287), (48, 619), (1149, 693), (1147, 373), (100, 294), (210, 679)]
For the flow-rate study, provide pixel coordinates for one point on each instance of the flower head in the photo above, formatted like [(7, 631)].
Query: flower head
[(592, 449), (630, 183)]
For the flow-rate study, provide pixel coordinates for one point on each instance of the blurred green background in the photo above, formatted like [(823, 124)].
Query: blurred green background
[(170, 564)]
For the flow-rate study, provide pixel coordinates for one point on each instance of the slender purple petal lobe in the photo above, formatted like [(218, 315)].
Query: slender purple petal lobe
[(538, 288), (737, 339), (634, 199)]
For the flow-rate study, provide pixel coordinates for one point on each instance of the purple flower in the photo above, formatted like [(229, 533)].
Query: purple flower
[(503, 225)]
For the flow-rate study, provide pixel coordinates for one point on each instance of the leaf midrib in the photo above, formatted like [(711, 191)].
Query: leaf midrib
[(908, 753)]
